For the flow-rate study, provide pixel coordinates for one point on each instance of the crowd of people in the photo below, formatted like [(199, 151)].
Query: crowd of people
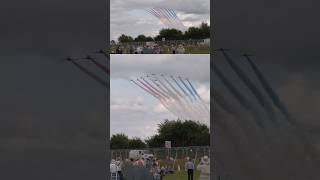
[(146, 168), (158, 47), (149, 49), (150, 169)]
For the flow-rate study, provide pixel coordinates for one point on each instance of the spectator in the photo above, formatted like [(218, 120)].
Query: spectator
[(204, 168), (119, 165), (114, 170), (189, 167)]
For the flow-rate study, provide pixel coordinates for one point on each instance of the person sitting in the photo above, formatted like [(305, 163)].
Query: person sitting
[(114, 170)]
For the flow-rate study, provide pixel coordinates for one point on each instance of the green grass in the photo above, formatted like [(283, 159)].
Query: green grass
[(181, 175)]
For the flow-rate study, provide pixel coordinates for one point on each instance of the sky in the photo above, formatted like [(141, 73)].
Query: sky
[(131, 18), (53, 117), (136, 113), (283, 37)]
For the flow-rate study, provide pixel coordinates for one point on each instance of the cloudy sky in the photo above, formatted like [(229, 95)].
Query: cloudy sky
[(130, 16), (284, 38), (53, 117), (136, 113)]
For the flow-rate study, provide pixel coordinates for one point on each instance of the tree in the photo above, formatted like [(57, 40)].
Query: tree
[(170, 34), (149, 38), (201, 32), (187, 133), (136, 143), (205, 30), (124, 38), (119, 141), (140, 38), (158, 38), (155, 141)]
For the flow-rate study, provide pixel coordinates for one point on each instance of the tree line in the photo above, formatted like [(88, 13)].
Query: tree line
[(186, 133), (201, 32)]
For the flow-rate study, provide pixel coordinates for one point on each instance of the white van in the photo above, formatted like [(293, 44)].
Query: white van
[(138, 154)]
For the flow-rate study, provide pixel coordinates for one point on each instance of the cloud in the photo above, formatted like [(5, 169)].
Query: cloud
[(130, 16), (204, 92), (123, 104), (137, 113), (160, 108), (194, 67)]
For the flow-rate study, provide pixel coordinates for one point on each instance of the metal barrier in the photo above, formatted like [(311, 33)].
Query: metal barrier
[(194, 152)]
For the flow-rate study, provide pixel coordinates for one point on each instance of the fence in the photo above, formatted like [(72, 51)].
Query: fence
[(194, 152)]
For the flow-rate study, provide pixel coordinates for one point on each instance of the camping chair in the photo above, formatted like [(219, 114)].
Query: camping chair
[(114, 176)]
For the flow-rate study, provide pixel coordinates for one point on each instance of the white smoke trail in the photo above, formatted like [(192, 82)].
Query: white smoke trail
[(186, 106)]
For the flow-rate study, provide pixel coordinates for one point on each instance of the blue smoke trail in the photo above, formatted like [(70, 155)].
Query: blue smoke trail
[(194, 97), (184, 92)]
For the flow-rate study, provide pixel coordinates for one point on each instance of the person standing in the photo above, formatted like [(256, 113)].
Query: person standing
[(189, 167), (204, 168), (119, 165)]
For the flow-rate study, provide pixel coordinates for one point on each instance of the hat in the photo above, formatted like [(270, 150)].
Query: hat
[(205, 159)]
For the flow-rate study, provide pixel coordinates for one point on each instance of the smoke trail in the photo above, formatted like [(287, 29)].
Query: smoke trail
[(89, 73), (149, 92), (186, 104), (101, 66), (173, 87), (163, 91), (192, 95), (257, 118), (161, 88), (195, 91), (175, 97), (292, 162), (275, 98), (163, 18), (176, 21), (177, 103), (176, 17), (166, 98), (168, 12), (158, 16), (184, 92), (259, 96), (157, 90), (308, 147), (167, 16), (245, 129), (241, 99), (176, 108), (203, 106)]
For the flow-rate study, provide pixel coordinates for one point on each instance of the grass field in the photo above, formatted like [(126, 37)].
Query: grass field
[(181, 175)]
